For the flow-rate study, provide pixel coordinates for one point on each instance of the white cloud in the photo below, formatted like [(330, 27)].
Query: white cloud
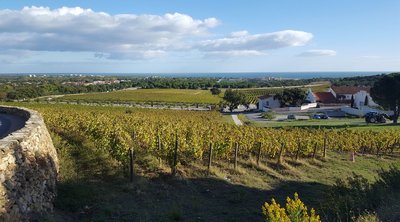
[(129, 36), (259, 42), (126, 36), (233, 53), (318, 52)]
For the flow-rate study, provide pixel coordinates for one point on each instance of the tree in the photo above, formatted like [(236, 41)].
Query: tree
[(386, 92), (215, 91), (366, 101), (352, 101), (291, 97), (234, 98)]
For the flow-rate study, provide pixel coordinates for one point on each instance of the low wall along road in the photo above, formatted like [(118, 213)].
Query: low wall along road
[(10, 123), (28, 166)]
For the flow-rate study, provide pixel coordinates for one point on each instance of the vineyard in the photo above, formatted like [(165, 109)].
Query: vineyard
[(253, 94), (162, 96), (184, 136), (149, 95), (222, 172)]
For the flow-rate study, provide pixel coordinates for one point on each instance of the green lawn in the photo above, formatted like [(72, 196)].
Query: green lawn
[(227, 119), (150, 95), (354, 123)]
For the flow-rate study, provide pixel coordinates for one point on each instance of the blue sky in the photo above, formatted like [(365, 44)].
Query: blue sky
[(199, 36)]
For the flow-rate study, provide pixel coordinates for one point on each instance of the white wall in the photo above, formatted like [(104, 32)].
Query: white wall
[(364, 110), (269, 102), (307, 106), (310, 96), (359, 99)]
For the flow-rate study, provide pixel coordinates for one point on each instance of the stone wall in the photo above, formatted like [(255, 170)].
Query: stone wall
[(28, 169)]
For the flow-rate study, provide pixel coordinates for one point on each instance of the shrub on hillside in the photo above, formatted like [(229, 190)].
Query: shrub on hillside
[(352, 198), (368, 217), (215, 91), (295, 211), (268, 115)]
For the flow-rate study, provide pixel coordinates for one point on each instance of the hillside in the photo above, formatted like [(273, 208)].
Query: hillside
[(93, 145)]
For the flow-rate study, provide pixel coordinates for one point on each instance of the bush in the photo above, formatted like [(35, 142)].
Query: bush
[(215, 91), (368, 217), (389, 179), (149, 162), (268, 115), (295, 211), (350, 199)]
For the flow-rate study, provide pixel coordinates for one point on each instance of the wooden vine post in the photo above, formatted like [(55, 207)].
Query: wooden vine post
[(131, 162), (159, 150), (315, 151), (298, 150), (175, 160), (209, 158), (131, 159), (259, 154), (352, 156), (280, 154), (236, 156), (325, 144)]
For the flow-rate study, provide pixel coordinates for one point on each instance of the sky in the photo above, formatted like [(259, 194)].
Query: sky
[(178, 36)]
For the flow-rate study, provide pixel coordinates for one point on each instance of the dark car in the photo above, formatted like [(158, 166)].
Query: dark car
[(291, 116), (316, 116), (324, 116), (320, 116)]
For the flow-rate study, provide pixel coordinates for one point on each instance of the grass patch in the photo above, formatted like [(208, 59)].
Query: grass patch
[(225, 195), (244, 119), (335, 123), (227, 119)]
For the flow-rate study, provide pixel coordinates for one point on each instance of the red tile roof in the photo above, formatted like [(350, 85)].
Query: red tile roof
[(324, 96), (349, 89)]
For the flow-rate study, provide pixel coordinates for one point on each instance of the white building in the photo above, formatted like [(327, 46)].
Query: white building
[(360, 95), (268, 102), (310, 96)]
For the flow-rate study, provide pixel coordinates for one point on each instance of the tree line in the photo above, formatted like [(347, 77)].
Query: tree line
[(24, 87)]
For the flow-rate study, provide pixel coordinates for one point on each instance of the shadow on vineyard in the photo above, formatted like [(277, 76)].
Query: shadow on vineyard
[(163, 198), (357, 126), (95, 188)]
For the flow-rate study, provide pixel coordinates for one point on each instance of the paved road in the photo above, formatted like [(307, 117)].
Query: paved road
[(237, 120), (257, 117), (9, 124)]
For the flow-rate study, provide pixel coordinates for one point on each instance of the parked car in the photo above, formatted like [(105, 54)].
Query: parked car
[(320, 116), (291, 116)]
